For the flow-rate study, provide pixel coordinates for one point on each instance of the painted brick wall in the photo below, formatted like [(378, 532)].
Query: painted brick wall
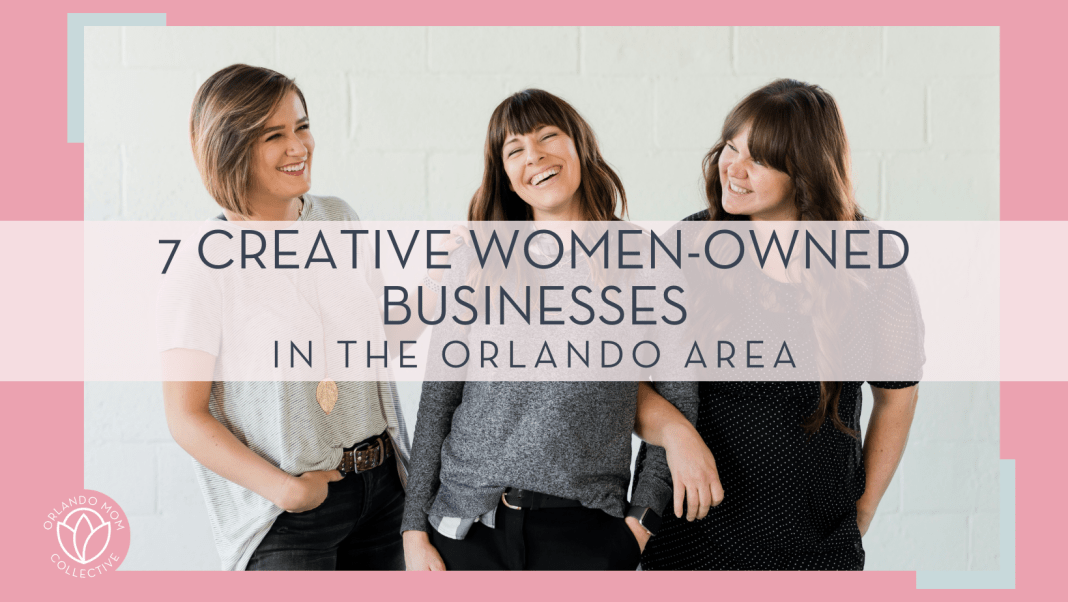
[(399, 116)]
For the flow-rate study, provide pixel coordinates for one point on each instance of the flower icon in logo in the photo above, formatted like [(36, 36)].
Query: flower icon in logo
[(83, 535)]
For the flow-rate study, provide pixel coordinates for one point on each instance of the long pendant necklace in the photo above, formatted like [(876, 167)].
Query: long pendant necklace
[(326, 391), (326, 395)]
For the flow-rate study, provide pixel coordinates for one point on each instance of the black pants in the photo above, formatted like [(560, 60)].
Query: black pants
[(356, 528), (554, 539)]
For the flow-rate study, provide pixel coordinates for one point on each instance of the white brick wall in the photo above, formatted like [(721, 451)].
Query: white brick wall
[(809, 51), (399, 115), (920, 105), (940, 512), (500, 50), (694, 51)]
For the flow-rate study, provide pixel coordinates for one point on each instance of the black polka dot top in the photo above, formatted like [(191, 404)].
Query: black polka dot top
[(790, 497)]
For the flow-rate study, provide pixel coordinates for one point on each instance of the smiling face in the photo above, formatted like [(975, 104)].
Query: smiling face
[(543, 168), (753, 189), (282, 155)]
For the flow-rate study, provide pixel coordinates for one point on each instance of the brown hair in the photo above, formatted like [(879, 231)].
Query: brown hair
[(229, 111), (795, 128), (524, 112)]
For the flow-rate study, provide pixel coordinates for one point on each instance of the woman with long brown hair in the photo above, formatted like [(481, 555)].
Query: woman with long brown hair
[(533, 475), (801, 489)]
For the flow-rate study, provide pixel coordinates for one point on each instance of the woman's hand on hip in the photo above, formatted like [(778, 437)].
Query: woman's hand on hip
[(420, 554), (693, 473), (308, 491)]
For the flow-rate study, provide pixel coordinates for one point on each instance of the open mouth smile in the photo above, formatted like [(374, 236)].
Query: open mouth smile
[(544, 176), (738, 189), (294, 169)]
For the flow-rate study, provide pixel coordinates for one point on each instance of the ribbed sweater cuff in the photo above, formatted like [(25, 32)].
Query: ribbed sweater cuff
[(652, 494), (414, 520)]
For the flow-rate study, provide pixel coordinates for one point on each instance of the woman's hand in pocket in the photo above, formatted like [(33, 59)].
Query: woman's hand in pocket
[(420, 554), (308, 491), (864, 517), (639, 531)]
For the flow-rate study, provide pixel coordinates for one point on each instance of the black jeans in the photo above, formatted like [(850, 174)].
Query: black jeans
[(553, 539), (356, 528)]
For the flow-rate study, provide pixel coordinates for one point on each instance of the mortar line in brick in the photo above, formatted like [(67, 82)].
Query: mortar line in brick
[(901, 490), (578, 52), (122, 46), (350, 105), (881, 198), (159, 481), (927, 114), (656, 106), (426, 48), (277, 52), (122, 180), (968, 548), (733, 44), (884, 50)]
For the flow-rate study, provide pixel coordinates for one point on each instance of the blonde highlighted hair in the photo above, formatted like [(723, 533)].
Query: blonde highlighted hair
[(229, 112)]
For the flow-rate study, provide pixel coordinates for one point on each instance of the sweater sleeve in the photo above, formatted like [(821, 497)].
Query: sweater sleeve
[(437, 404), (652, 477)]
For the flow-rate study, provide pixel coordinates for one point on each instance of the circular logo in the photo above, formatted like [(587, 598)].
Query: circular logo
[(92, 534)]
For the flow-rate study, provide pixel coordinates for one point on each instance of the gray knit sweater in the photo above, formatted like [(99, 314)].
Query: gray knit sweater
[(570, 439)]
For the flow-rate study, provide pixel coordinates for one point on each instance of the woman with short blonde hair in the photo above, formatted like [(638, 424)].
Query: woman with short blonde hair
[(296, 475)]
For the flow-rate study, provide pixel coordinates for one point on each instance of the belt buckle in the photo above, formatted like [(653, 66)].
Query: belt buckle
[(355, 450), (380, 460), (505, 502)]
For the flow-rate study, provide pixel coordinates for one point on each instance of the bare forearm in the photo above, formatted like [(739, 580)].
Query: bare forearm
[(884, 445), (658, 421), (211, 444), (692, 468)]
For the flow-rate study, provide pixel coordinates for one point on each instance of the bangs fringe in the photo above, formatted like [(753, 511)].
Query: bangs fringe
[(525, 112), (770, 130)]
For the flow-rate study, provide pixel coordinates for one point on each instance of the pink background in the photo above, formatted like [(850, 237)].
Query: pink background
[(43, 427)]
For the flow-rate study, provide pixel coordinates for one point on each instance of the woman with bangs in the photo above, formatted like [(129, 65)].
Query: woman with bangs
[(802, 489), (533, 475)]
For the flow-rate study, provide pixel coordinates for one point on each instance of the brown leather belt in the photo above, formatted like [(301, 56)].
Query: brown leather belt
[(366, 458)]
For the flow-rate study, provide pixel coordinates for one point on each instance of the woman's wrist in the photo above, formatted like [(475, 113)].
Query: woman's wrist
[(284, 492), (866, 508), (678, 434), (864, 518), (415, 536)]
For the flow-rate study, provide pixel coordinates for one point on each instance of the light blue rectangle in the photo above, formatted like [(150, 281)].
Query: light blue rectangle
[(1005, 576), (76, 23)]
